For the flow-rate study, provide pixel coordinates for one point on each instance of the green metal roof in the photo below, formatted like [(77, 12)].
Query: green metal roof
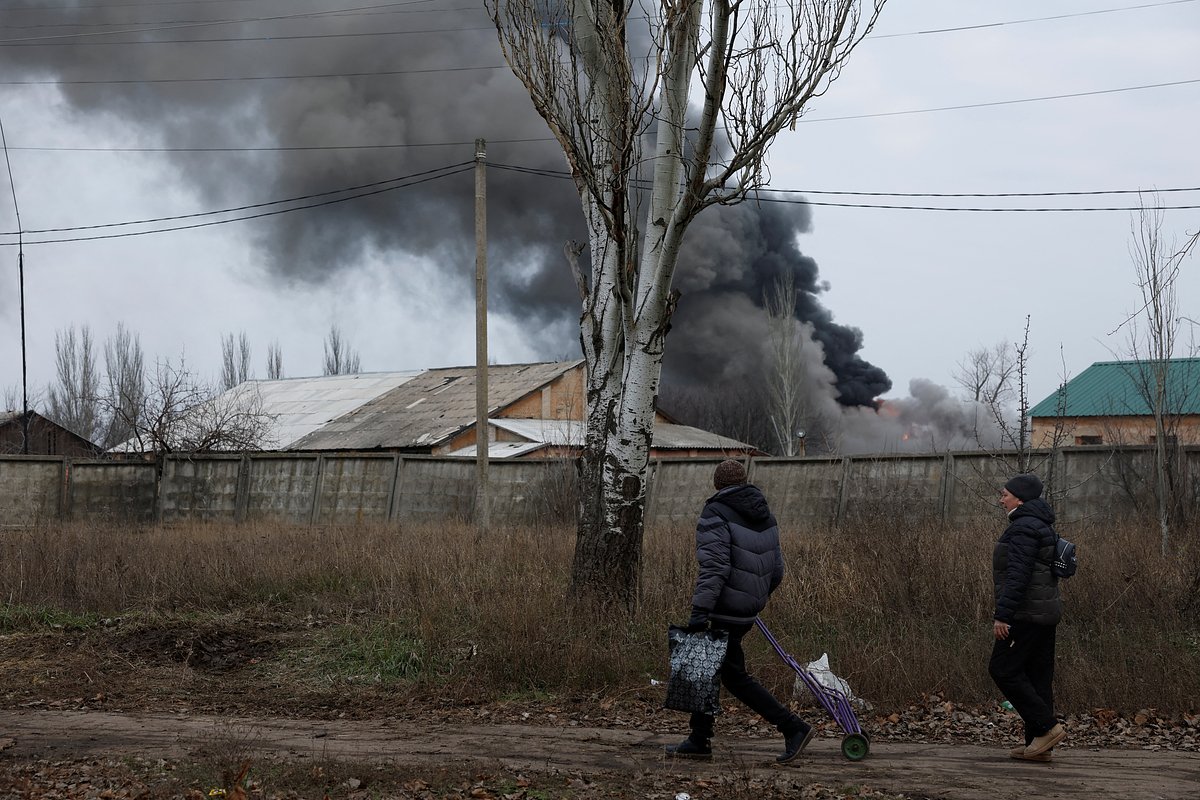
[(1113, 389)]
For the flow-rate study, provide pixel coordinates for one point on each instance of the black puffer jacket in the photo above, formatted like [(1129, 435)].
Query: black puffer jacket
[(741, 563), (1026, 589)]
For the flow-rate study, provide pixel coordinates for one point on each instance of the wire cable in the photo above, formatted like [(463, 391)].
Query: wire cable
[(245, 207), (331, 15), (277, 149), (48, 39), (234, 78), (958, 28), (461, 169), (549, 173), (759, 197), (1001, 102), (258, 39)]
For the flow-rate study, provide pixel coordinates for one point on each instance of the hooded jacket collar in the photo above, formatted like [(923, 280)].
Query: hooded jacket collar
[(1036, 508), (746, 499)]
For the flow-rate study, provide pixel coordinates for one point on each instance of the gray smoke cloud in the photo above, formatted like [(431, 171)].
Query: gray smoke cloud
[(740, 252), (431, 114)]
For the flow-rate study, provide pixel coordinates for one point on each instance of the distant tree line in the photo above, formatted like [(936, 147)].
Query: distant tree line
[(110, 395)]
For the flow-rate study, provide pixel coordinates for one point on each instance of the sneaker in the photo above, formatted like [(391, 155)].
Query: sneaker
[(793, 745), (1047, 740), (689, 749), (1019, 753)]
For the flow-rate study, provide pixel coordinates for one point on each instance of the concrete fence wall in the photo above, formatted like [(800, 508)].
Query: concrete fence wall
[(348, 488)]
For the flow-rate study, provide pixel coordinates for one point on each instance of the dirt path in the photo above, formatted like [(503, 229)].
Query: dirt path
[(923, 770)]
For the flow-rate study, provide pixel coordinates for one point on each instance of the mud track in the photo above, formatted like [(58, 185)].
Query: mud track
[(968, 772)]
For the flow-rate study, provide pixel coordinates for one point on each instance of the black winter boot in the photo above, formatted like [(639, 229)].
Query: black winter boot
[(689, 748), (794, 743)]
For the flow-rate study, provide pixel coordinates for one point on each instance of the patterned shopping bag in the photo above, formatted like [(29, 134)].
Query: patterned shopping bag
[(695, 682)]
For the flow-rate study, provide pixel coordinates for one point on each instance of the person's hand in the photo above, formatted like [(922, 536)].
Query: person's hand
[(697, 622), (1000, 630)]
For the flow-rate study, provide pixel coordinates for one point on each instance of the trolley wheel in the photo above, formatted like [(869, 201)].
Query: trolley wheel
[(855, 746)]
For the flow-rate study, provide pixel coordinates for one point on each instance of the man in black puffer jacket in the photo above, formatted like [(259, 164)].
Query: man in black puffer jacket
[(741, 563), (1028, 607)]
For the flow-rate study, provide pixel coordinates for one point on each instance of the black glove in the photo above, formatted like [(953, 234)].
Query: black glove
[(698, 621)]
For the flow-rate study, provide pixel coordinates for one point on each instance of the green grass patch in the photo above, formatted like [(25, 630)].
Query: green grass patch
[(381, 653), (24, 618)]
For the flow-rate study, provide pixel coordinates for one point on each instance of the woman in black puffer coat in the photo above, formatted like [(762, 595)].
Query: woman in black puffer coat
[(1028, 608), (740, 565)]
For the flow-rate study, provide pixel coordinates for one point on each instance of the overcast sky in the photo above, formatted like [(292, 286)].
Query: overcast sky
[(924, 287)]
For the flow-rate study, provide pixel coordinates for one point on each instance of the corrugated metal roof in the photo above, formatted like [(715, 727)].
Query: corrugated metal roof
[(501, 449), (1112, 389), (430, 408), (546, 431), (304, 405), (299, 406), (666, 436)]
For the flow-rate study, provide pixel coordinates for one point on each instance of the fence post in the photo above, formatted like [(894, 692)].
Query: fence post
[(64, 486), (394, 493), (241, 496), (161, 460), (318, 485), (947, 488), (843, 491)]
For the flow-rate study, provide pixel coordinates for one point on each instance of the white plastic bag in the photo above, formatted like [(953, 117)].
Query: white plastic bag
[(823, 675)]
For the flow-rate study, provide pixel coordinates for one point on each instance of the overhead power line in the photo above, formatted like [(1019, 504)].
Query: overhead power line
[(234, 78), (759, 196), (275, 149), (107, 5), (1054, 17), (553, 173), (259, 39), (991, 103), (329, 15), (355, 12), (53, 38), (414, 180), (843, 118)]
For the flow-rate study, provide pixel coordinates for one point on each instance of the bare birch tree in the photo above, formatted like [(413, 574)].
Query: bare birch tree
[(235, 360), (274, 361), (606, 77), (125, 392), (1152, 331), (340, 357), (73, 400)]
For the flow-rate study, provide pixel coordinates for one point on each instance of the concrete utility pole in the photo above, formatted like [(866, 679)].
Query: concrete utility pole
[(481, 349)]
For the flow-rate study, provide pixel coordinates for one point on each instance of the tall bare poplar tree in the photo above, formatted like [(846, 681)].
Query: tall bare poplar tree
[(607, 78), (74, 397), (125, 368), (274, 361), (1152, 332), (235, 360), (788, 373), (340, 357)]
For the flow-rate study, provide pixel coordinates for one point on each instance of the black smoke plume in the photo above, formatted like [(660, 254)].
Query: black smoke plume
[(447, 87)]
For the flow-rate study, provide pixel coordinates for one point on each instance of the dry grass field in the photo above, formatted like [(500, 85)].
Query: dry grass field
[(434, 626)]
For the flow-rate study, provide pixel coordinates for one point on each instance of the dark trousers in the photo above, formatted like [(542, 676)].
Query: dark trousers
[(1023, 667), (743, 686)]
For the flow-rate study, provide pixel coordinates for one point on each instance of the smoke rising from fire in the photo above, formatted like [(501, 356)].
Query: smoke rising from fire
[(427, 113)]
